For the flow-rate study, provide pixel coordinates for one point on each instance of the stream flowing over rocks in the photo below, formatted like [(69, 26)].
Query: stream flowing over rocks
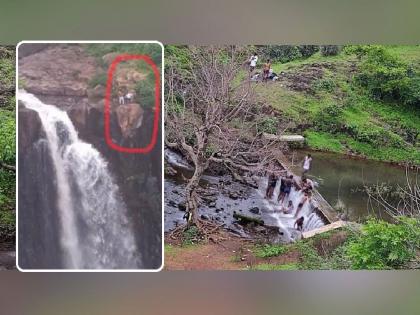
[(222, 197)]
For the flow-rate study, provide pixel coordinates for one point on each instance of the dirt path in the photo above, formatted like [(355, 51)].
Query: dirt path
[(229, 254)]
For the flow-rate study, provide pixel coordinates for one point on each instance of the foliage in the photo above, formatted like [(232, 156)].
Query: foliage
[(145, 91), (7, 137), (154, 51), (330, 50), (282, 53), (329, 118), (325, 84), (191, 236), (267, 125), (386, 76), (383, 245), (269, 250), (308, 50)]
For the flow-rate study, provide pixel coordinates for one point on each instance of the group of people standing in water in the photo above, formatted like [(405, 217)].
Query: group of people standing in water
[(288, 182)]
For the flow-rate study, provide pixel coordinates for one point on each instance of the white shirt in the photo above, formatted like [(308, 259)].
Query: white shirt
[(254, 60), (307, 163)]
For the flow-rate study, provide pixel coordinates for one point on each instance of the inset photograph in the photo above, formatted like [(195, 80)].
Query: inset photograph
[(89, 156), (292, 157)]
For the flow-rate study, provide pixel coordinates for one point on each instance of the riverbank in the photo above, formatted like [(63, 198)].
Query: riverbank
[(234, 253)]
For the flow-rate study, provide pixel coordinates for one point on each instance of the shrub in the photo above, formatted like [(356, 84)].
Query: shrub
[(268, 125), (330, 50), (191, 236), (7, 137), (270, 250), (145, 91), (282, 53), (383, 245), (308, 50), (326, 84), (329, 118)]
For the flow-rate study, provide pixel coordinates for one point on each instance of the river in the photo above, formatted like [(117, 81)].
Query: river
[(341, 180)]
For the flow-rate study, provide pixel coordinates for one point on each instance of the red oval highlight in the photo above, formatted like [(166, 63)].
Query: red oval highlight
[(107, 105)]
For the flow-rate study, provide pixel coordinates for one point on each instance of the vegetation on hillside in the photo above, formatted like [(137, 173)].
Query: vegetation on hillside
[(7, 144), (363, 100), (145, 89)]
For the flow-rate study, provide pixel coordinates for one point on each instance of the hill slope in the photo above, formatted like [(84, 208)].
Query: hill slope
[(334, 102)]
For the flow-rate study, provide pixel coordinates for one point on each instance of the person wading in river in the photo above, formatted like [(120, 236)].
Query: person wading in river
[(272, 182), (307, 162), (282, 193), (299, 224), (306, 198), (289, 208)]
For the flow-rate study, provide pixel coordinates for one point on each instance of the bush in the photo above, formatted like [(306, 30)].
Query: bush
[(308, 50), (383, 245), (7, 137), (282, 53), (330, 50), (268, 125), (326, 84), (329, 118), (386, 76), (145, 92), (270, 250)]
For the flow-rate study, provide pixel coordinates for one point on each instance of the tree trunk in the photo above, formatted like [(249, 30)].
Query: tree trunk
[(191, 194)]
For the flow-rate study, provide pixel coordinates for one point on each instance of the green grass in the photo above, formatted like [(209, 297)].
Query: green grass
[(376, 130), (273, 267), (269, 250), (323, 141)]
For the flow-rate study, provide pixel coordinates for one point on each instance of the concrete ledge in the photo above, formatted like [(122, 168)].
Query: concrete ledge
[(325, 228)]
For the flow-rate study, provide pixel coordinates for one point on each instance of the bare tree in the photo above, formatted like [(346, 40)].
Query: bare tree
[(404, 200), (209, 102)]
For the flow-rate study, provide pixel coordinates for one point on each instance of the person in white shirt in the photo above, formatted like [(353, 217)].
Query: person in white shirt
[(121, 99), (307, 164), (253, 62), (129, 96)]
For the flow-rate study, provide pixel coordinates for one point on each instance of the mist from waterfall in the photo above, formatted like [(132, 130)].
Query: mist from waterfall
[(95, 232)]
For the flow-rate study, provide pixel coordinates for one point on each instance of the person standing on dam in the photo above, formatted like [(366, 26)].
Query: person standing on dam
[(307, 163)]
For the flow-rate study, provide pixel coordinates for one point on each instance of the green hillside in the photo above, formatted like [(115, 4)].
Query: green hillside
[(363, 100)]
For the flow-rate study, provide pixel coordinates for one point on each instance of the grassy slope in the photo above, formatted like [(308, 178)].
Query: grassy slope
[(336, 87)]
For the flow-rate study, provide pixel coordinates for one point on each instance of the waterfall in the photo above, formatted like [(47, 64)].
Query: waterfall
[(286, 222), (94, 229)]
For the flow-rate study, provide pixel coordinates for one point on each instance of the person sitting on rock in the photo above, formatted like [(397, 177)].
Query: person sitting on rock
[(121, 99), (129, 97), (299, 224)]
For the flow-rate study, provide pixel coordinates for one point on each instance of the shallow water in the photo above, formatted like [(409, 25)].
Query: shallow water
[(341, 180)]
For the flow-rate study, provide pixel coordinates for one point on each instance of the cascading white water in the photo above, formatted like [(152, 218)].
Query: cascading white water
[(95, 232), (286, 222)]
